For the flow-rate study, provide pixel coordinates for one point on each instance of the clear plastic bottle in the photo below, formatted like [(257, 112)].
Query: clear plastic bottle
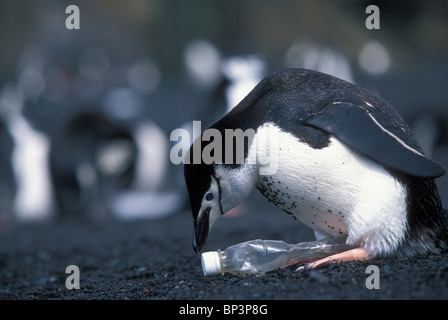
[(261, 256)]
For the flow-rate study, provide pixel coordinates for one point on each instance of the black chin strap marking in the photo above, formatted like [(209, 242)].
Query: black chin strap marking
[(219, 192)]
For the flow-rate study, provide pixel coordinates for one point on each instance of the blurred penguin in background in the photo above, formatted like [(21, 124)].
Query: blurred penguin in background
[(28, 157), (92, 159)]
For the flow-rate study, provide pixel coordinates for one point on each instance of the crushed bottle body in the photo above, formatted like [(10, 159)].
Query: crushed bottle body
[(261, 256)]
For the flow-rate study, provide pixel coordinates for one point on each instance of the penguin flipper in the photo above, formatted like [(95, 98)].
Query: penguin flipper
[(359, 129)]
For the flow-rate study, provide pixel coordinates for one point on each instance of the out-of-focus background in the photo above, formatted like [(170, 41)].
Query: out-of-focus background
[(86, 115)]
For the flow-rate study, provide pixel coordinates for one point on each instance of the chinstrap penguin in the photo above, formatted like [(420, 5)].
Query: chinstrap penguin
[(348, 166)]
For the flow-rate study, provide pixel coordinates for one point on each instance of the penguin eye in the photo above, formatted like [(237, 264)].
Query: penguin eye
[(209, 196)]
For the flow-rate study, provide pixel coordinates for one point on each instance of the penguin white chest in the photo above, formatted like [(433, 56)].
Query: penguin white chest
[(336, 192)]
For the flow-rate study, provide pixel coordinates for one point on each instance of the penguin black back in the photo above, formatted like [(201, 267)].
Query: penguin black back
[(300, 100)]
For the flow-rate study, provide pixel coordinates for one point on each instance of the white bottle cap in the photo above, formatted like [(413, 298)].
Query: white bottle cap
[(211, 265)]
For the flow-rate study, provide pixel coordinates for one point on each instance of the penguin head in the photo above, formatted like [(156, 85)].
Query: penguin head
[(214, 190), (205, 199)]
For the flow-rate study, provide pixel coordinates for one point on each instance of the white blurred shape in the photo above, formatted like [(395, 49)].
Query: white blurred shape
[(144, 75), (244, 73), (113, 158), (151, 163), (374, 58), (145, 200), (203, 63), (30, 160), (30, 164), (146, 205), (323, 59)]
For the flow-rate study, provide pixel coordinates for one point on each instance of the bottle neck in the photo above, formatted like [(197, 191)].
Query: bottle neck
[(223, 259)]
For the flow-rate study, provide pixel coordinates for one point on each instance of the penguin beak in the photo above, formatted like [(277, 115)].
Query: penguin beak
[(201, 228)]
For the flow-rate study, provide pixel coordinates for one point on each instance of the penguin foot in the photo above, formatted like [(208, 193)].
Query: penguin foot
[(317, 250), (356, 254)]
